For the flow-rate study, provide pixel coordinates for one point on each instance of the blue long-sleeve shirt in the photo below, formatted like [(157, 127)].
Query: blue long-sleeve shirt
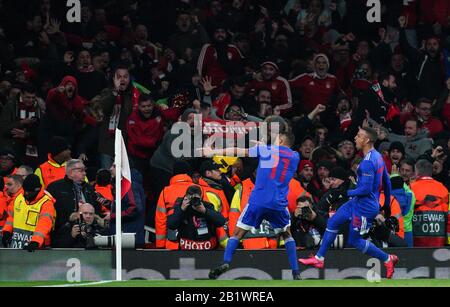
[(372, 178)]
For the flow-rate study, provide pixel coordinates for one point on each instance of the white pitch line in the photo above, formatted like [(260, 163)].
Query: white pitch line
[(78, 284)]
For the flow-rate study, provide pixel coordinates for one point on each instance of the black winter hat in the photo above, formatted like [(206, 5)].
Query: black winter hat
[(397, 145), (339, 173), (58, 145), (209, 165), (32, 183), (327, 164)]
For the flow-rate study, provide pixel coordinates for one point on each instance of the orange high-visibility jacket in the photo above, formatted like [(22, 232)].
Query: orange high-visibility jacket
[(295, 191), (430, 212), (240, 200), (106, 192), (31, 221), (50, 171), (218, 199), (177, 188), (397, 212), (3, 209)]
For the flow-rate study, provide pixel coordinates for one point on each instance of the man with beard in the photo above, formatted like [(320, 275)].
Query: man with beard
[(427, 69), (379, 104), (219, 60), (19, 121), (89, 81), (117, 104), (65, 115), (306, 147), (305, 172)]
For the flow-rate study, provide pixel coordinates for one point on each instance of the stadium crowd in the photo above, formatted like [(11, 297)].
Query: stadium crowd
[(317, 67)]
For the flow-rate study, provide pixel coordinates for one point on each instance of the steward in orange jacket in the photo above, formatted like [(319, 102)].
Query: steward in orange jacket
[(296, 190), (3, 209), (215, 195), (176, 189), (259, 239), (32, 220), (431, 211), (55, 168), (396, 211), (13, 188)]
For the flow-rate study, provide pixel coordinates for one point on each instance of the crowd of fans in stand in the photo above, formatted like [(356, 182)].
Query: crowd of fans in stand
[(317, 67)]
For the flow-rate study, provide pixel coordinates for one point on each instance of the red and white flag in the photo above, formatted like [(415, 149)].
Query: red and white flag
[(124, 164)]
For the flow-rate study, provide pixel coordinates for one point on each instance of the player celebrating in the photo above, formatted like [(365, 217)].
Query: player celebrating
[(362, 209), (268, 200)]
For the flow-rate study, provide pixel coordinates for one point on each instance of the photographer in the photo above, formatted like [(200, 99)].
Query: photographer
[(383, 232), (307, 215), (195, 221), (83, 227), (307, 226)]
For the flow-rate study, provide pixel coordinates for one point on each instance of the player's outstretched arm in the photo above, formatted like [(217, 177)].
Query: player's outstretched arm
[(229, 152), (365, 182)]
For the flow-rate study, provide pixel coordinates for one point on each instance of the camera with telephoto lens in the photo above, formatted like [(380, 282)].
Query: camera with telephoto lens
[(128, 241)]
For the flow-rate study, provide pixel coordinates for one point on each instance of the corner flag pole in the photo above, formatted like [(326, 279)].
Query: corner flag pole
[(118, 163)]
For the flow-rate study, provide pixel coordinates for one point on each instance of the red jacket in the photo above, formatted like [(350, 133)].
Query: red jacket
[(143, 134), (280, 90), (434, 11), (433, 125), (313, 90), (208, 65), (62, 108)]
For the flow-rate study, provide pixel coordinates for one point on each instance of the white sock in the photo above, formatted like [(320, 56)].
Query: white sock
[(320, 258), (389, 259)]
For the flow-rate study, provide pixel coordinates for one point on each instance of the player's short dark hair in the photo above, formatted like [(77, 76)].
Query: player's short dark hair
[(371, 133), (303, 199), (408, 161), (289, 138)]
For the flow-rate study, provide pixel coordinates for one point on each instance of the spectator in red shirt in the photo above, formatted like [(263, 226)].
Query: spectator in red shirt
[(278, 86), (316, 88), (423, 113), (65, 115), (145, 129), (219, 60)]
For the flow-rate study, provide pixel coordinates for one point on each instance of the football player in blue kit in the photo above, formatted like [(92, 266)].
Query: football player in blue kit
[(268, 200), (363, 206)]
